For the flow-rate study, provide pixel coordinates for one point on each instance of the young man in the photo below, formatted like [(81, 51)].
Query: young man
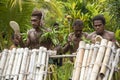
[(99, 26), (34, 35), (75, 37)]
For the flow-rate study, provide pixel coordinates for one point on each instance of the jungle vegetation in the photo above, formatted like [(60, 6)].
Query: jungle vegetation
[(63, 12), (60, 11)]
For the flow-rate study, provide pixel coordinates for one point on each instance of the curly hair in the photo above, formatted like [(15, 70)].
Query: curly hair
[(99, 17), (37, 13)]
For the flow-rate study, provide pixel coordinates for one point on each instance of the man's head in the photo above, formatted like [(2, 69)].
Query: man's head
[(36, 18), (78, 27), (99, 23)]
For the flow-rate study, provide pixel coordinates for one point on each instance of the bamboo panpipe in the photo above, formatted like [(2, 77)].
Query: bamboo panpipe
[(39, 57), (47, 61), (32, 65), (42, 68), (15, 62), (0, 55), (94, 54), (62, 56), (23, 64), (111, 59), (106, 59), (88, 61), (6, 64), (39, 62), (10, 64), (84, 64), (99, 59), (114, 64), (20, 54), (27, 65), (78, 62), (3, 60)]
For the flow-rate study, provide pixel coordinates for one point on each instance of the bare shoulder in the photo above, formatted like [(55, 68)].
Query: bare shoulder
[(89, 36), (85, 34), (111, 34)]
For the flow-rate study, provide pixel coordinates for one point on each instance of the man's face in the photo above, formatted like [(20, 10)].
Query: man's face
[(78, 31), (35, 21), (98, 26)]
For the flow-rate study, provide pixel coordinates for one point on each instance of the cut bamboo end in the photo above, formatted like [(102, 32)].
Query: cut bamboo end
[(106, 59), (98, 38)]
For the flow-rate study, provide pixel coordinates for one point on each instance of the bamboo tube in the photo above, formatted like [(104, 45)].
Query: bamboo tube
[(39, 62), (39, 57), (47, 61), (99, 59), (43, 62), (20, 54), (0, 55), (3, 60), (98, 39), (23, 64), (84, 64), (78, 62), (88, 61), (32, 65), (95, 51), (6, 65), (114, 64), (10, 64), (27, 65), (94, 54), (106, 59), (15, 63), (62, 56), (110, 64)]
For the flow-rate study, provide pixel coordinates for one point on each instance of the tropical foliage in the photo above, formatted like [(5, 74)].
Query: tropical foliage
[(63, 12)]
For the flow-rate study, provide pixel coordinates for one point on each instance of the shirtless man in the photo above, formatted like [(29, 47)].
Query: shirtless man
[(99, 26), (75, 37), (34, 35)]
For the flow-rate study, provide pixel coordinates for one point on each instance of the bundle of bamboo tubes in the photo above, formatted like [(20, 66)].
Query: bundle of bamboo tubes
[(24, 64), (96, 61)]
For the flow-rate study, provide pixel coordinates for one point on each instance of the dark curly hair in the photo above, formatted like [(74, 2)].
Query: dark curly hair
[(78, 22), (37, 13), (99, 17)]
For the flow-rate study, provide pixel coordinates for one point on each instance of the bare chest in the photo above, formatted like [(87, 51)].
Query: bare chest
[(34, 36)]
